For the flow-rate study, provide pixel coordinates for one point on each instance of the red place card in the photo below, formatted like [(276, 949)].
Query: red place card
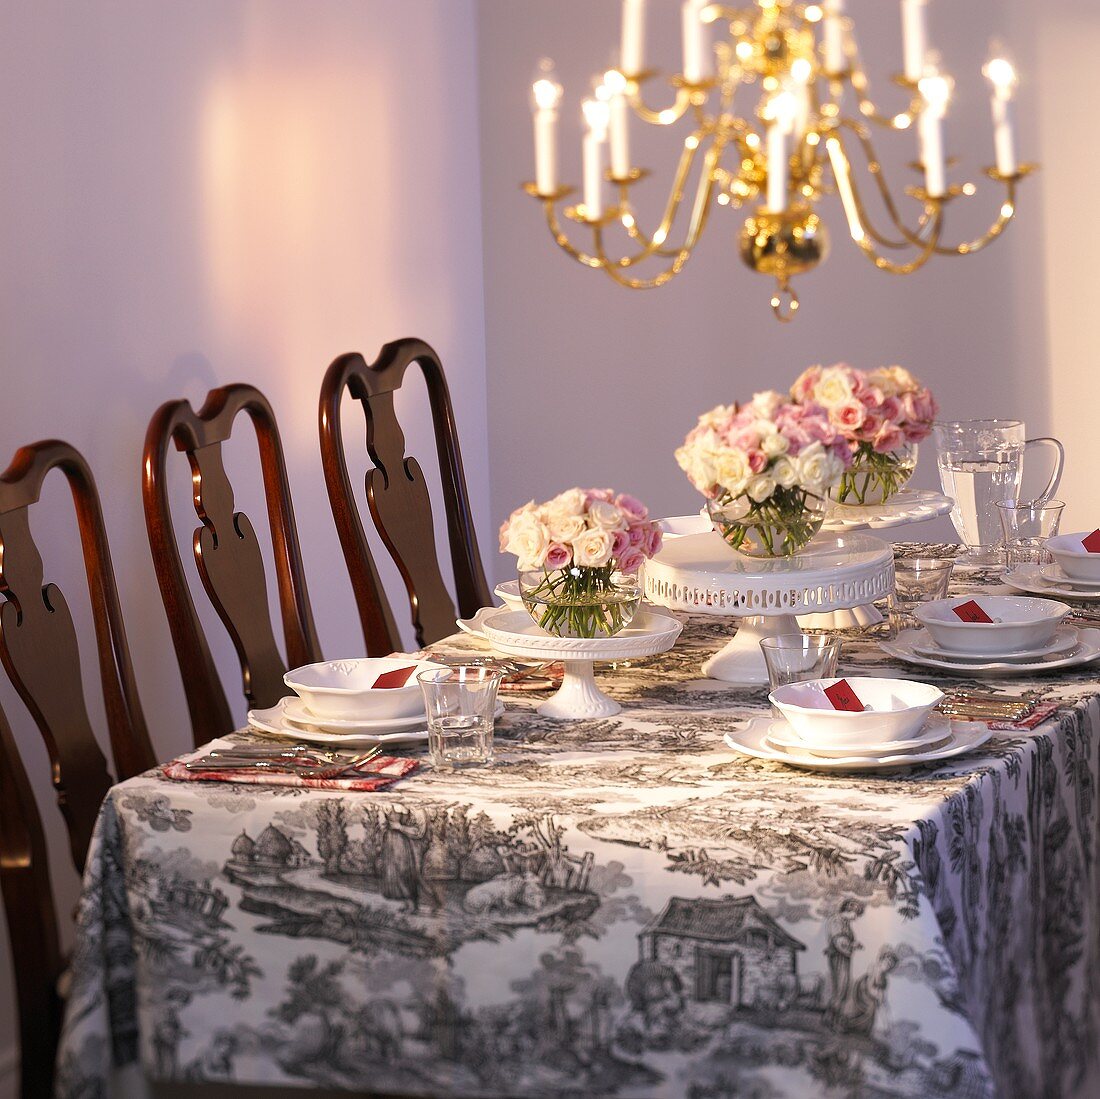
[(397, 678), (971, 612), (1092, 542), (841, 695)]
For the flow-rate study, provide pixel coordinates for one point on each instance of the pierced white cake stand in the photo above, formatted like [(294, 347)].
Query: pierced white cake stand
[(700, 574), (515, 634), (911, 505)]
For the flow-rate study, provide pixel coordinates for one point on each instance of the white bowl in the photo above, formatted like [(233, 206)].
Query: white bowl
[(896, 710), (1021, 623), (508, 594), (343, 689), (1076, 561)]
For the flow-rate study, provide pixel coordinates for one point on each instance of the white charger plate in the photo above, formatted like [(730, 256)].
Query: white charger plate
[(752, 740), (1029, 578), (275, 722), (475, 626), (1055, 574), (1087, 651), (937, 728), (1065, 638)]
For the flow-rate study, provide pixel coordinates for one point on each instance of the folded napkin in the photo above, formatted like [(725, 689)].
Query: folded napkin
[(375, 774)]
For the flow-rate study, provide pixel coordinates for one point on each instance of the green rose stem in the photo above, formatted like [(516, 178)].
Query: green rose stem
[(782, 524), (578, 602), (884, 472)]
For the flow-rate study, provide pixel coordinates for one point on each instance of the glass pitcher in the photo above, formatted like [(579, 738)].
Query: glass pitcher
[(981, 465)]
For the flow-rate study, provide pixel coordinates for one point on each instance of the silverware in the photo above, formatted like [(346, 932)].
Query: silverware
[(323, 764)]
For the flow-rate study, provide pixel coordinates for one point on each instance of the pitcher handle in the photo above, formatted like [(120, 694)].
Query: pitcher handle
[(1059, 462)]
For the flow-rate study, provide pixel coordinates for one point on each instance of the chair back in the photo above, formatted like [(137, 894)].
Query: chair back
[(227, 555), (398, 499), (39, 650)]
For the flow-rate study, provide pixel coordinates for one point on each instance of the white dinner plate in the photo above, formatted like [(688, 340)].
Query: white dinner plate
[(297, 713), (1028, 578), (1088, 650), (273, 720), (1065, 639), (753, 740), (1055, 574), (937, 728)]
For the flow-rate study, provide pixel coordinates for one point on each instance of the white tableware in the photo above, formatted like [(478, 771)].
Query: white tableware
[(895, 709), (901, 648), (296, 711), (475, 626), (752, 740), (345, 689), (508, 594), (1075, 561), (911, 505), (677, 526), (516, 634), (1028, 578), (1054, 574), (935, 729), (275, 721), (1065, 638), (1019, 622)]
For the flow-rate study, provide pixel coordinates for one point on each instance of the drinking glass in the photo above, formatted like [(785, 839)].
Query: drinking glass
[(980, 464), (460, 702), (798, 657), (1026, 528), (916, 580)]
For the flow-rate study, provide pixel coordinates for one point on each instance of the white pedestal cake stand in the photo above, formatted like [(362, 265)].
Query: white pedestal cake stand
[(514, 633), (700, 574)]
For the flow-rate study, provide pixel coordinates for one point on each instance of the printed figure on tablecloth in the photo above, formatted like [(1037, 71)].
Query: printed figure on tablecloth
[(400, 869), (841, 945)]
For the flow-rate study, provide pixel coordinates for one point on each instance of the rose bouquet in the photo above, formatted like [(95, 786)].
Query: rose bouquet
[(765, 469), (579, 556), (882, 414)]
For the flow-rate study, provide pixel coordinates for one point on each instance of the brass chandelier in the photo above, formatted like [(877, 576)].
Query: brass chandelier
[(779, 157)]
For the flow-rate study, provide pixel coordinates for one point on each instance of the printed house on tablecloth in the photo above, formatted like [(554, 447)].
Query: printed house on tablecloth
[(726, 950)]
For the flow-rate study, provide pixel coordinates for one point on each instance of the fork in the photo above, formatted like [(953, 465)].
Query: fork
[(280, 763)]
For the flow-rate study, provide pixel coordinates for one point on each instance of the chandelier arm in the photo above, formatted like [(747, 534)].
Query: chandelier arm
[(1006, 213), (856, 76), (919, 260), (562, 241), (664, 116)]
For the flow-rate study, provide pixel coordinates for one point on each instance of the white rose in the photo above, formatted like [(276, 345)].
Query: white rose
[(785, 473), (529, 540), (833, 388), (731, 469), (718, 416), (818, 469), (606, 516), (775, 444), (564, 526), (764, 428), (592, 549), (767, 403), (570, 502), (761, 487)]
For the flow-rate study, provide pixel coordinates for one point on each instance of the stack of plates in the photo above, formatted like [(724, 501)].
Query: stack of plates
[(1051, 580), (939, 738), (290, 719), (1070, 648)]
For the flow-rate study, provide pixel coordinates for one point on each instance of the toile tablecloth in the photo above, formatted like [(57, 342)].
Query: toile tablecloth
[(619, 907)]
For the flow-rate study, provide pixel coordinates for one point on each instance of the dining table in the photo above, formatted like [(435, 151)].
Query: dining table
[(620, 907)]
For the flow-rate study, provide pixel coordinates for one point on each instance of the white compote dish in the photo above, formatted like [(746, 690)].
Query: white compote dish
[(344, 689), (1075, 561), (1019, 623), (894, 710), (1029, 578)]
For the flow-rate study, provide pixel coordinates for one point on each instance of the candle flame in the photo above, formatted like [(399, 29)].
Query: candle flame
[(1001, 75)]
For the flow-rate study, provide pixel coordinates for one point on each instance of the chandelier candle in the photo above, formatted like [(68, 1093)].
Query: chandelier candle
[(596, 115), (546, 94), (935, 90), (1003, 78), (833, 32), (618, 124), (698, 54), (781, 111), (913, 38), (632, 52)]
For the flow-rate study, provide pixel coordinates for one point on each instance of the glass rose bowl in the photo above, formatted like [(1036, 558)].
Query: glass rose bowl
[(874, 478), (779, 527), (581, 602)]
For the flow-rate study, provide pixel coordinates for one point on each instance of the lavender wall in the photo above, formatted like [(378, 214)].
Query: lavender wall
[(195, 194), (593, 383)]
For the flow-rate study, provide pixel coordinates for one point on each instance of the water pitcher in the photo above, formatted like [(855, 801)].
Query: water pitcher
[(981, 464)]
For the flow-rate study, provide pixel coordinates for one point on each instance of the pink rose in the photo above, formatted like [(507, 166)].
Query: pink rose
[(872, 397), (631, 506), (593, 494), (891, 410), (924, 406), (620, 542), (636, 536), (849, 416), (872, 425), (558, 556), (803, 388), (631, 561), (654, 540), (917, 432), (758, 461), (890, 437)]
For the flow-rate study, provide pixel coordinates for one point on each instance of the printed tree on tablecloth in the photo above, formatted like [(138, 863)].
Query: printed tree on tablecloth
[(332, 835)]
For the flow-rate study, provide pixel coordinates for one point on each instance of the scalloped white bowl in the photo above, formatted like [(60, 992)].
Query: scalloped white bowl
[(344, 689), (896, 710), (1076, 561), (1024, 623), (508, 594)]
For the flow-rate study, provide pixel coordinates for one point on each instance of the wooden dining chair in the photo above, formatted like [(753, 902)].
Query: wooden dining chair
[(397, 497), (227, 554), (40, 653)]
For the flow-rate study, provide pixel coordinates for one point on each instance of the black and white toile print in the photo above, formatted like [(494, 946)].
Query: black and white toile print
[(618, 908)]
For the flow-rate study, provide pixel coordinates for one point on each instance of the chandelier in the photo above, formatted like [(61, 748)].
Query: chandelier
[(776, 156)]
